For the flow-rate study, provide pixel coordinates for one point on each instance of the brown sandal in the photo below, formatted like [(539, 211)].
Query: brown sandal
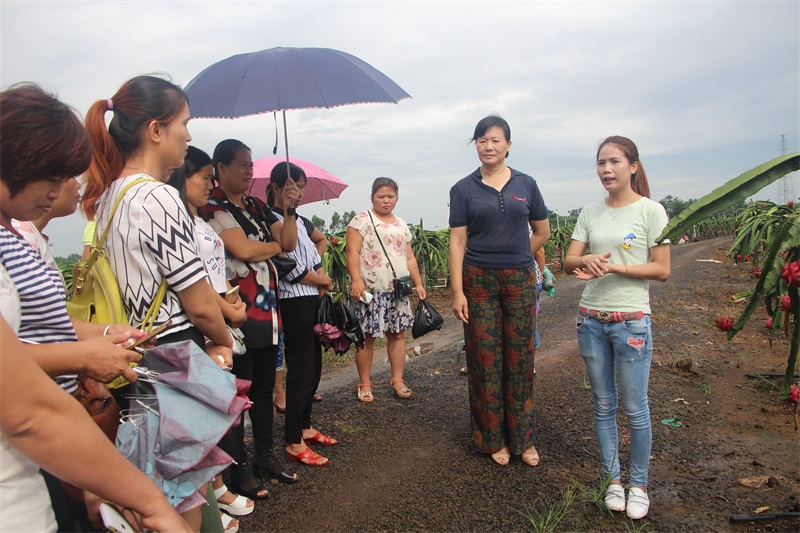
[(531, 458), (365, 397), (404, 392)]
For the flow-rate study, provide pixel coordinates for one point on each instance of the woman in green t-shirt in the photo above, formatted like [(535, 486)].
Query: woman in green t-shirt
[(614, 330)]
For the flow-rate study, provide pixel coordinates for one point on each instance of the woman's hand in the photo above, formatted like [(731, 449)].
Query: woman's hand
[(290, 193), (421, 292), (325, 283), (132, 332), (595, 264), (221, 355), (460, 307), (105, 359), (583, 274), (357, 289), (234, 312)]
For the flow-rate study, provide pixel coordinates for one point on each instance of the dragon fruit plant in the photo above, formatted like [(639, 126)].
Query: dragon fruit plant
[(770, 235)]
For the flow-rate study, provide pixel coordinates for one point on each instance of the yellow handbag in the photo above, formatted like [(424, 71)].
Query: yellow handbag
[(95, 292)]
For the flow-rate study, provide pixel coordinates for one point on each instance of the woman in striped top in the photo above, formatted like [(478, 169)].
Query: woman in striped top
[(44, 145), (300, 291)]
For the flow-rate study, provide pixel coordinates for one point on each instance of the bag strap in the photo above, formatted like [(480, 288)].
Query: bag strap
[(242, 220), (394, 274), (102, 242), (152, 311), (97, 245)]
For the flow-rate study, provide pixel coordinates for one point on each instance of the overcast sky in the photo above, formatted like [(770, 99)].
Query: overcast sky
[(705, 89)]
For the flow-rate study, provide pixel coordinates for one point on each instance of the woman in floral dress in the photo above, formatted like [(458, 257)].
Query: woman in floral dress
[(371, 272)]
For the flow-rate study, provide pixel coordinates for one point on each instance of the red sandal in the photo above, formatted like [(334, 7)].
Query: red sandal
[(308, 457), (319, 438)]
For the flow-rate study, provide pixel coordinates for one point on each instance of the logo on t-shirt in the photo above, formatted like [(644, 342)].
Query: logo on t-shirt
[(627, 241), (523, 199)]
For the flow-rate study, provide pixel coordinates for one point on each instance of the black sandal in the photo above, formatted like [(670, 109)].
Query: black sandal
[(244, 482), (274, 469)]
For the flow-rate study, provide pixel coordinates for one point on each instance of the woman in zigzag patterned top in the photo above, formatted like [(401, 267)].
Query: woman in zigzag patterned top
[(152, 235)]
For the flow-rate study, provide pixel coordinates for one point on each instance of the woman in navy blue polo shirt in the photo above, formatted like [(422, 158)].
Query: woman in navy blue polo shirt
[(494, 292)]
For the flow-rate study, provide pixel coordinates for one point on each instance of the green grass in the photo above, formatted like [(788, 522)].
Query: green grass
[(547, 518), (635, 526), (595, 496), (350, 430)]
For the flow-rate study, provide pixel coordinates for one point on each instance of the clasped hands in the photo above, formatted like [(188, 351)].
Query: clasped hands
[(597, 265)]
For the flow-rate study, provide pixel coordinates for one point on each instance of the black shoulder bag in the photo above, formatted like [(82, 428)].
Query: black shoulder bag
[(402, 286)]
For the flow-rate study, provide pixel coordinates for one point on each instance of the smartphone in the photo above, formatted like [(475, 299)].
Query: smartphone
[(366, 298), (114, 521), (231, 295), (152, 333)]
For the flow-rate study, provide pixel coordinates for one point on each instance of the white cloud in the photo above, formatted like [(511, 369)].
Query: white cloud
[(704, 88)]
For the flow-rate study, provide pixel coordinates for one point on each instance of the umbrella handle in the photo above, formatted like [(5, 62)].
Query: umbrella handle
[(286, 147)]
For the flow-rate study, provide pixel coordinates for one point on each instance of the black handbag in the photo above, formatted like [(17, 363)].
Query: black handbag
[(283, 265), (401, 286), (426, 319)]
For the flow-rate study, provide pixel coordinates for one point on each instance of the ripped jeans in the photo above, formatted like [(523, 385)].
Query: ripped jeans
[(627, 347)]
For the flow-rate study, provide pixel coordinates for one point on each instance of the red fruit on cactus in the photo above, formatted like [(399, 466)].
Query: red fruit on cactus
[(794, 394), (768, 323), (725, 323), (334, 241), (786, 303), (747, 258), (738, 257), (790, 204), (757, 272), (791, 273)]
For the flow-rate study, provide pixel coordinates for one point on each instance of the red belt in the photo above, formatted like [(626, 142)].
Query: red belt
[(611, 316)]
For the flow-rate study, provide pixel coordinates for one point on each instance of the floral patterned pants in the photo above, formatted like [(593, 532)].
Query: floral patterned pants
[(500, 355)]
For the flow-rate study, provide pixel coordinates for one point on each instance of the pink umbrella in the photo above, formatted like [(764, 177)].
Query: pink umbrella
[(320, 184)]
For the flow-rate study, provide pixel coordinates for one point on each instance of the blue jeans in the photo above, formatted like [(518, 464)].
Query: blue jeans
[(628, 347)]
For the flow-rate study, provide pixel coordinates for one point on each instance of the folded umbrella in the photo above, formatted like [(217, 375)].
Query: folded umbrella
[(179, 412)]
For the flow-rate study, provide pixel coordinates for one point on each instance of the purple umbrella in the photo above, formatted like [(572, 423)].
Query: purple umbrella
[(321, 185), (280, 78)]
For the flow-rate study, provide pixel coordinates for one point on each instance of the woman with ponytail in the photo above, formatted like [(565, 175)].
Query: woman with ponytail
[(614, 330), (300, 291), (151, 237)]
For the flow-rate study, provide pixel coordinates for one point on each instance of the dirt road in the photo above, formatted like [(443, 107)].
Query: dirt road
[(409, 466)]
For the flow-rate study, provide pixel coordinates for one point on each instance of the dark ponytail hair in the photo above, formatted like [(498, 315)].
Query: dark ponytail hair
[(40, 138), (639, 178), (138, 102), (195, 160), (279, 175)]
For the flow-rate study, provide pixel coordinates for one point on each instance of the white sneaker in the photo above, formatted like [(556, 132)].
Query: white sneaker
[(615, 497), (638, 503)]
